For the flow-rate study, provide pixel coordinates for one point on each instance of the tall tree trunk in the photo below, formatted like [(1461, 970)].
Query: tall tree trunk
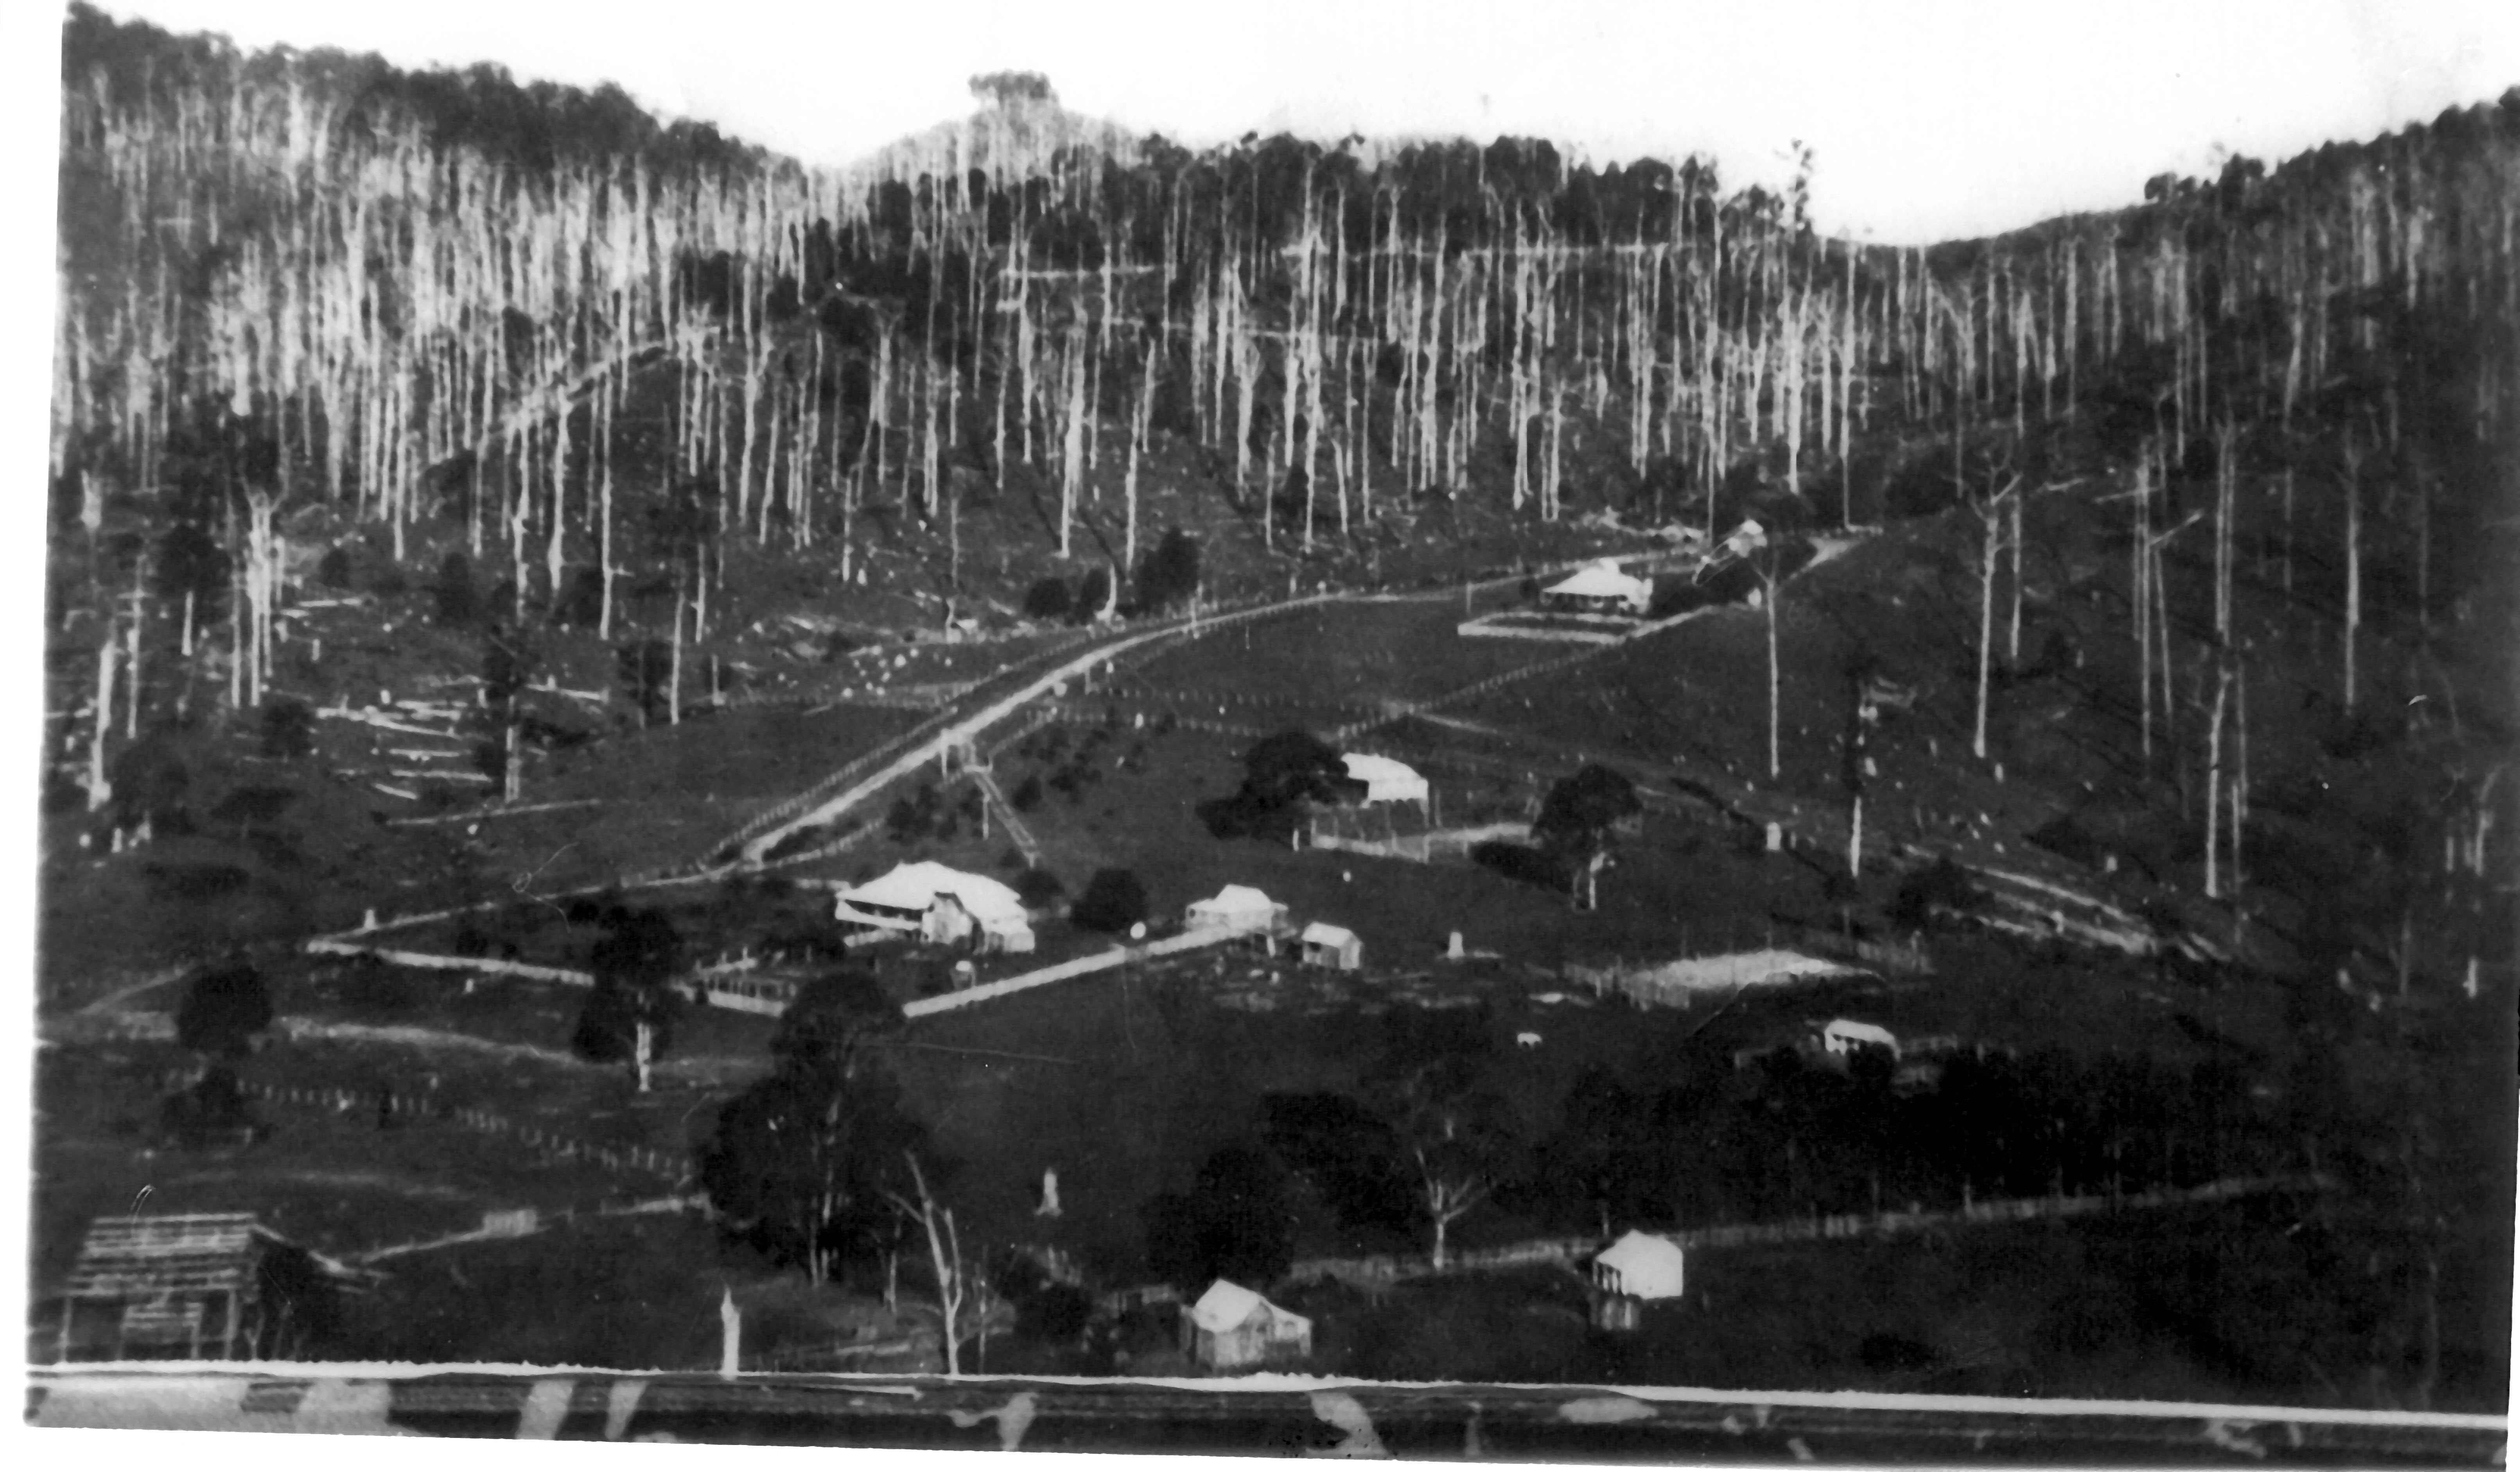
[(107, 649)]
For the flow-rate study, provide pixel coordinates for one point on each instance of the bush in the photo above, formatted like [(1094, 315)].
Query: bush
[(1942, 886), (287, 727), (458, 602), (1170, 572), (1039, 888), (222, 1010), (212, 1106), (1113, 901), (1047, 599), (1092, 593), (335, 570)]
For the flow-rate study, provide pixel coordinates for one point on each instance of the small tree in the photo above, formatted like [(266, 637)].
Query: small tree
[(805, 1163), (1283, 774), (1170, 575), (507, 659), (954, 1280), (1576, 821), (222, 1010), (1113, 901), (457, 601), (629, 1015), (1047, 599), (1237, 1222), (288, 729)]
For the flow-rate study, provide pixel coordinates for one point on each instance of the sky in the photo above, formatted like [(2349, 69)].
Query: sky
[(1927, 120)]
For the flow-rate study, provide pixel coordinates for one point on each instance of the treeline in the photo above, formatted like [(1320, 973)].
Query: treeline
[(396, 277)]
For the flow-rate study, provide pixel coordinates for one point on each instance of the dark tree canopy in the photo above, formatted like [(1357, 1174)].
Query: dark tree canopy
[(802, 1162), (634, 958), (222, 1010), (1113, 901), (1169, 574), (1282, 774), (1576, 817), (833, 1016), (1237, 1222), (1011, 89)]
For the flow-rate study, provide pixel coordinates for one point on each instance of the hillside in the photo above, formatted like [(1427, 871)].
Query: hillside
[(469, 495)]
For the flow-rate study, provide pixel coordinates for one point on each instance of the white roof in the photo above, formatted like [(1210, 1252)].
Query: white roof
[(917, 886), (1602, 579), (1226, 1306), (1639, 1254), (1385, 779), (1323, 933), (1238, 899), (1861, 1031)]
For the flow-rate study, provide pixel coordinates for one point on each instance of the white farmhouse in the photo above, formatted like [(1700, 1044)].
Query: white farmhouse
[(939, 905)]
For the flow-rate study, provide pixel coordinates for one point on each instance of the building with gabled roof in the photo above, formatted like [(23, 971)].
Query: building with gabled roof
[(201, 1286), (1236, 907), (1231, 1327), (940, 904), (1334, 946), (1637, 1269), (1600, 588), (1385, 779)]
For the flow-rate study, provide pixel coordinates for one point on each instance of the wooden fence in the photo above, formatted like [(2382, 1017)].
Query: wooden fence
[(549, 1144), (1390, 1268), (1082, 965)]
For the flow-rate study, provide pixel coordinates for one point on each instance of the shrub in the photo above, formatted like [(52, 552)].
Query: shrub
[(1113, 901), (1047, 599), (222, 1008), (287, 727), (457, 601), (1092, 593), (1941, 886), (335, 570), (1039, 888)]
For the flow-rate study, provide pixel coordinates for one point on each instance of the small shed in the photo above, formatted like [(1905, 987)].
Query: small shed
[(1637, 1269), (1385, 781), (1845, 1036), (1599, 588), (1236, 907), (1334, 946), (206, 1286), (1233, 1328)]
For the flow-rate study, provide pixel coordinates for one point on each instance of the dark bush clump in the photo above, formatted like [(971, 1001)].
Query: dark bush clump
[(1113, 901)]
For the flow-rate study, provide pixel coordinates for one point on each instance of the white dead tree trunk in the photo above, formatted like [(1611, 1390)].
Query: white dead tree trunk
[(945, 1254), (2352, 476), (108, 650), (2214, 778), (1448, 1197), (1991, 517)]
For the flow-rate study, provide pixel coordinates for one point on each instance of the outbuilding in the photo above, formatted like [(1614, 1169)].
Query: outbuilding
[(1637, 1269), (939, 905), (1237, 908), (1233, 1328), (1846, 1037), (1385, 780), (1599, 588), (201, 1286), (1334, 946)]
